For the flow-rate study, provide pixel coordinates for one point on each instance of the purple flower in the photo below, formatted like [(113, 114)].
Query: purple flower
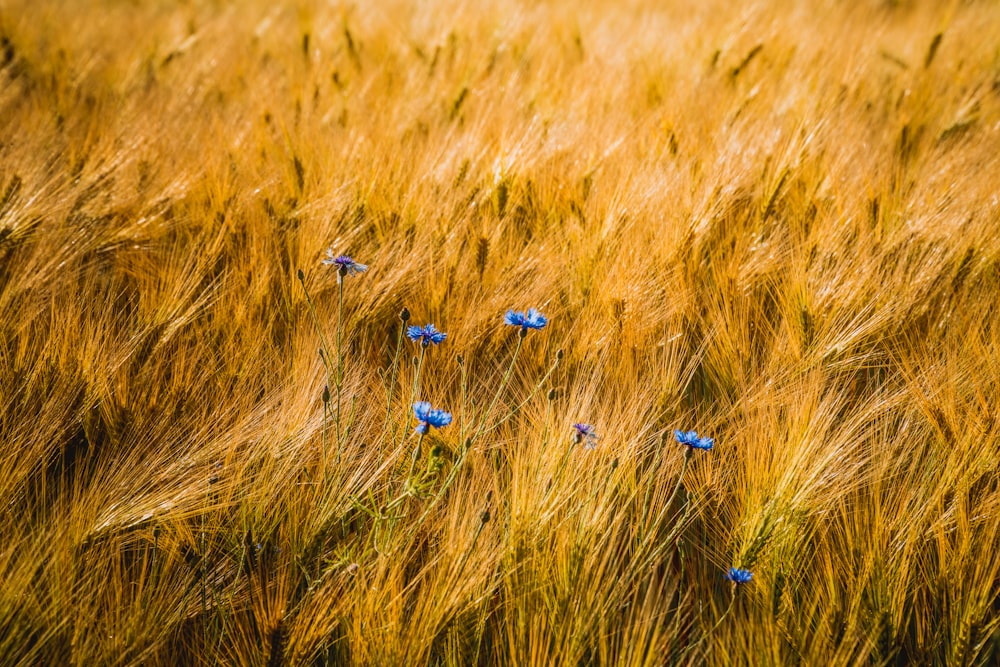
[(425, 335), (428, 417), (529, 320), (738, 575), (586, 435), (691, 440), (345, 265)]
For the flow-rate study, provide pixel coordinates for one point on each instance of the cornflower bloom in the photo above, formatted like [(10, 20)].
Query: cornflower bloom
[(425, 335), (738, 575), (691, 440), (586, 435), (428, 417), (345, 265), (529, 320)]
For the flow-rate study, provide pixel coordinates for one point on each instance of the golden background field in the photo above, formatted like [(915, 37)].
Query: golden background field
[(775, 223)]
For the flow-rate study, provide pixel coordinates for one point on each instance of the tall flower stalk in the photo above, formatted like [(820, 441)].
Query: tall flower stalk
[(404, 317), (325, 346), (340, 356), (425, 336), (346, 266), (427, 418), (532, 319)]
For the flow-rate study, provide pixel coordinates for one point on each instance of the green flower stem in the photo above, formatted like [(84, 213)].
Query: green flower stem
[(413, 460), (326, 409), (651, 550), (649, 484), (467, 444), (461, 430), (656, 543), (541, 383), (475, 538), (414, 393), (503, 385), (340, 358), (319, 330), (677, 486), (545, 434), (691, 647), (392, 388), (562, 465)]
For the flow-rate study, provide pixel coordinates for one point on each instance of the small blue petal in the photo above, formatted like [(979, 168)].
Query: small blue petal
[(738, 575), (438, 418), (535, 320), (585, 435), (514, 319), (428, 416), (421, 409)]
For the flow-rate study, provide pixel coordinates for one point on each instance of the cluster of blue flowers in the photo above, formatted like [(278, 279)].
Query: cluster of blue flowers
[(427, 335), (583, 434)]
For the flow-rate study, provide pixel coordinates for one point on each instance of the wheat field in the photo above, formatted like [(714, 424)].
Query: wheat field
[(774, 223)]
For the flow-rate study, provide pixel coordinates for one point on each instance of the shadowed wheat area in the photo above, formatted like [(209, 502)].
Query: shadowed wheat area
[(776, 225)]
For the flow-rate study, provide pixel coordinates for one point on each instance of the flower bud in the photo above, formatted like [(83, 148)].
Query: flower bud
[(404, 315)]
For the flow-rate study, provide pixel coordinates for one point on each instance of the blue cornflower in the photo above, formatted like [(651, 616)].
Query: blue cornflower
[(425, 335), (692, 441), (428, 417), (738, 575), (529, 320), (585, 434), (345, 265)]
